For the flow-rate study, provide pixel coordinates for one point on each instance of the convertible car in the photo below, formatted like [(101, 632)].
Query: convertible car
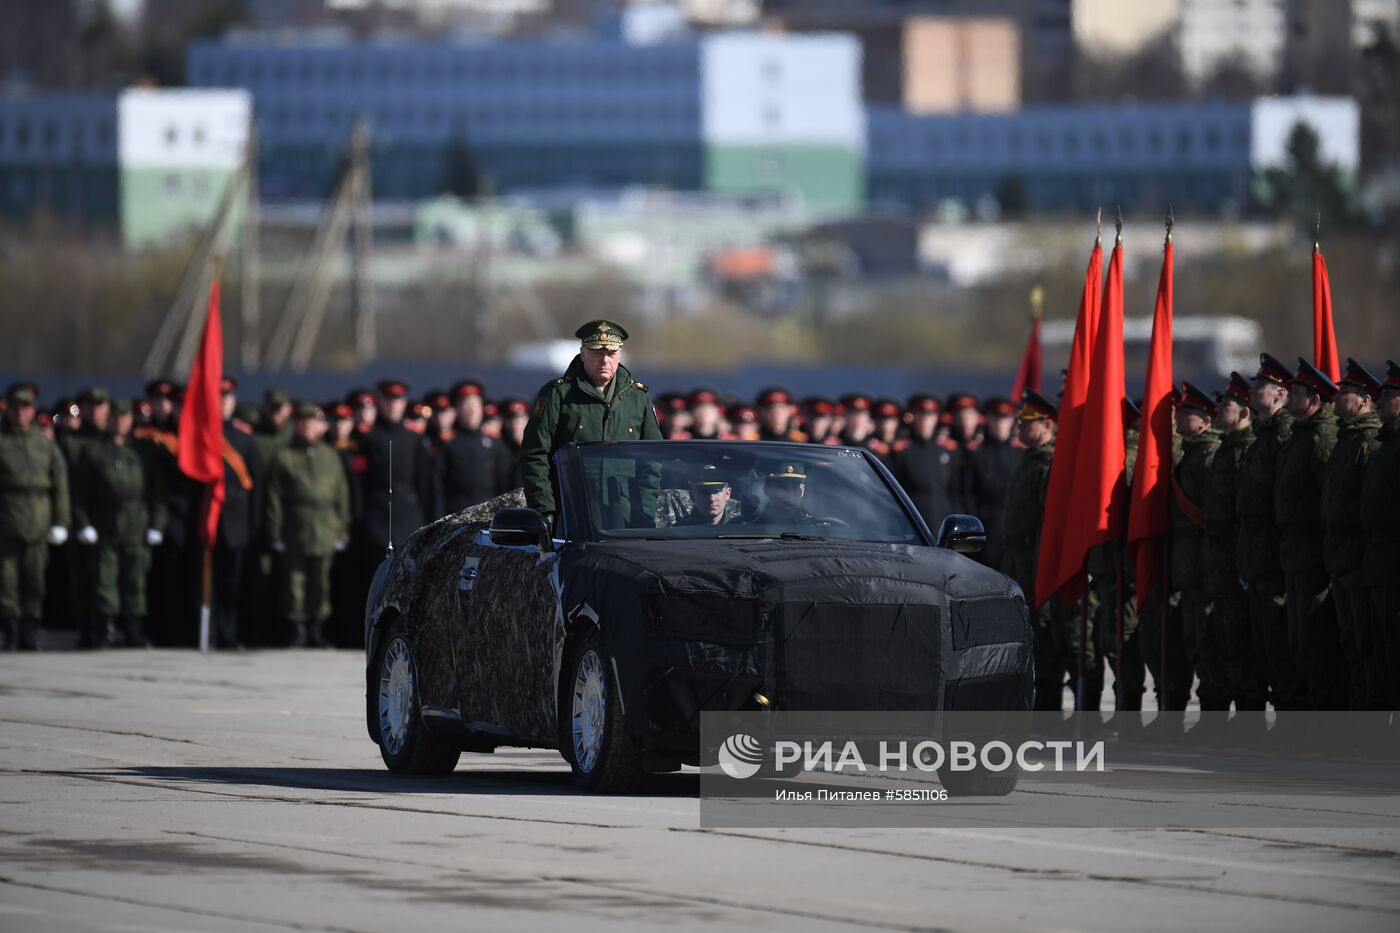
[(678, 577)]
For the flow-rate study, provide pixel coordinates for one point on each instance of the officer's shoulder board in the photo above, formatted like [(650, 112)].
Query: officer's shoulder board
[(545, 390), (639, 385)]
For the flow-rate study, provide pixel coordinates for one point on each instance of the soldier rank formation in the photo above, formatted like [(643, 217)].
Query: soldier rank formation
[(1281, 585)]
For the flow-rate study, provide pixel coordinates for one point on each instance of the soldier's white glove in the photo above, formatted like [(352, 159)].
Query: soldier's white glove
[(88, 535), (154, 537), (58, 535), (338, 545), (279, 546)]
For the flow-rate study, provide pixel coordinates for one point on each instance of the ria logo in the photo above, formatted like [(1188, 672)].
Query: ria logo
[(740, 756)]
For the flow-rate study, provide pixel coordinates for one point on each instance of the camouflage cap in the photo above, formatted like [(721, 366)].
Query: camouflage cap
[(602, 334)]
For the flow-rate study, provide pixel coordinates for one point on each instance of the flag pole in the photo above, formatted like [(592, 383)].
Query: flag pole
[(206, 600)]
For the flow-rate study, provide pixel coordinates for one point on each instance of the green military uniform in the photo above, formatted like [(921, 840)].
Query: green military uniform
[(1247, 687), (1312, 623), (1343, 548), (308, 517), (33, 503), (116, 493), (1187, 571), (571, 408), (1257, 551), (1022, 520), (1380, 518)]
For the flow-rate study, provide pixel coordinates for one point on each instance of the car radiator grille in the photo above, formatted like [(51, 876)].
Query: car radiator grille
[(840, 656)]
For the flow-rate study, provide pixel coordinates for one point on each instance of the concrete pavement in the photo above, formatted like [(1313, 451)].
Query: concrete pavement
[(161, 790)]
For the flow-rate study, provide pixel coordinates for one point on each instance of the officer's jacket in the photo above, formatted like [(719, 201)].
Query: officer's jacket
[(1380, 508), (308, 499), (571, 408), (33, 486), (927, 471), (1222, 530), (1343, 540), (1302, 464), (391, 450), (117, 490), (242, 507), (468, 468), (1257, 544), (1025, 513), (1190, 477)]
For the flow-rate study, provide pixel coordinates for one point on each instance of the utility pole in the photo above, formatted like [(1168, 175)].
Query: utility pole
[(361, 282), (252, 306)]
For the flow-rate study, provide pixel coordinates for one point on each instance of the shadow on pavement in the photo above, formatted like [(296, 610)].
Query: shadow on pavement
[(502, 782)]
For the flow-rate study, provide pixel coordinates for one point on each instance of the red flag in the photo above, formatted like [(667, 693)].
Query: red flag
[(1028, 373), (201, 421), (1062, 465), (1149, 504), (1324, 337)]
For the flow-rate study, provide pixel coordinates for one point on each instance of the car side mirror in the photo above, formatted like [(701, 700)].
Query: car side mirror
[(962, 533), (520, 528)]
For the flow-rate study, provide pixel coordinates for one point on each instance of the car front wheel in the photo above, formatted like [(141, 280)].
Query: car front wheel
[(405, 744), (595, 738)]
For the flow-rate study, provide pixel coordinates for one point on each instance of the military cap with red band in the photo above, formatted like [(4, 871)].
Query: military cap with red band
[(1359, 377), (924, 403), (228, 385), (160, 388), (465, 387), (1237, 388), (703, 397), (673, 401), (960, 400), (887, 408), (1192, 396), (1316, 380), (1271, 370), (392, 388), (1392, 375), (996, 405), (515, 406), (438, 400), (774, 395), (342, 410), (856, 401)]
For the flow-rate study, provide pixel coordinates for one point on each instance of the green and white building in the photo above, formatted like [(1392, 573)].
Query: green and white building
[(148, 164)]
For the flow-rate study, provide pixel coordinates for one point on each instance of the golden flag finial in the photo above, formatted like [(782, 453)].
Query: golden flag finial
[(1171, 220), (1317, 233), (1098, 228), (1037, 301), (1118, 225)]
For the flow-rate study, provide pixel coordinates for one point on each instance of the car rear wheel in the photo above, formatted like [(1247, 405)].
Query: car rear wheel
[(595, 738), (405, 744)]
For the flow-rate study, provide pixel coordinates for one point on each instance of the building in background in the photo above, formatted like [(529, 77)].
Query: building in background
[(1249, 34), (1117, 28), (1197, 157), (727, 112), (149, 163)]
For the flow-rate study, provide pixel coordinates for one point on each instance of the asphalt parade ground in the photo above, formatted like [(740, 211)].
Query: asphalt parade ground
[(162, 790)]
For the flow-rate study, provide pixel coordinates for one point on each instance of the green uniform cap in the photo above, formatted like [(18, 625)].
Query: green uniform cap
[(95, 394), (19, 395), (309, 410), (122, 406), (600, 334), (276, 398)]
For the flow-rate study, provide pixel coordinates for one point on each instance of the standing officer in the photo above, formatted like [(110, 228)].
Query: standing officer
[(412, 474), (470, 467), (1187, 573), (1380, 517), (237, 519), (1025, 513), (595, 400), (119, 509), (515, 418), (1258, 552), (1312, 623), (1343, 539), (775, 411), (1229, 603), (33, 515), (987, 471), (307, 519), (924, 467)]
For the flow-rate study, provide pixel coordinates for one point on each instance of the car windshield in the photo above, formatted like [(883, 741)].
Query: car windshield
[(715, 489)]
